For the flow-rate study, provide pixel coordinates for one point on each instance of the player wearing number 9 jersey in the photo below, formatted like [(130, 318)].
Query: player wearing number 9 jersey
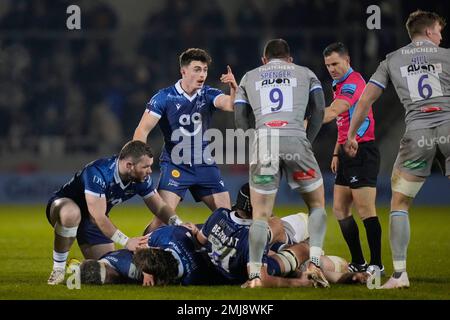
[(420, 73), (278, 94)]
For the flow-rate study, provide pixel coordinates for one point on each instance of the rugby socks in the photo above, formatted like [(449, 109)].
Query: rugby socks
[(59, 259), (350, 232), (317, 226), (399, 234), (373, 231), (257, 241)]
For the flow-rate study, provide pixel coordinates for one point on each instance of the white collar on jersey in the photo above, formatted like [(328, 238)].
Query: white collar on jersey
[(275, 60), (180, 265), (236, 219), (117, 176), (181, 91)]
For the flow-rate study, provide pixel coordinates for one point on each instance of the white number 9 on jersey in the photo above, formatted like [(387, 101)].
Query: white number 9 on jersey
[(276, 98)]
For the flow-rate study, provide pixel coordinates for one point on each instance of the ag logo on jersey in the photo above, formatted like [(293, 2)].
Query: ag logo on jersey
[(194, 120)]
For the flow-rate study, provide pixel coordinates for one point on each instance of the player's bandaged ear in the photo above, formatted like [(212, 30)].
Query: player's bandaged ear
[(405, 187), (289, 261), (65, 231)]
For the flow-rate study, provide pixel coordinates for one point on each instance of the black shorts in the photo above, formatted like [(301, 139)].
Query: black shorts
[(360, 171)]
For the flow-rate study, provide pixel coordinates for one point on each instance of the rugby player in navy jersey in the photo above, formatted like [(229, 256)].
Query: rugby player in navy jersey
[(225, 235), (184, 112), (80, 209)]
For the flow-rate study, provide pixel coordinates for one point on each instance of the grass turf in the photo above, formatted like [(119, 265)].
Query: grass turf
[(26, 259)]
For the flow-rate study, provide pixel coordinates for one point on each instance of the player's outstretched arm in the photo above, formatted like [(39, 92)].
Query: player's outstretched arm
[(336, 108), (226, 102), (162, 210), (268, 281), (147, 123), (370, 94)]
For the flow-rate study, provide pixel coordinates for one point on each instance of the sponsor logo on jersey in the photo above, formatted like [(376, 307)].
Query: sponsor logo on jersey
[(276, 124), (302, 175), (176, 173), (348, 90), (430, 109), (173, 183), (178, 106)]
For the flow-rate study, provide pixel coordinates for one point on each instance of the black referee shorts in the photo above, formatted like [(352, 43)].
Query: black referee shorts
[(360, 171)]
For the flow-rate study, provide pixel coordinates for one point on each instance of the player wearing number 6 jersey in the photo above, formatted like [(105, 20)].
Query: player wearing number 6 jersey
[(278, 94), (420, 73)]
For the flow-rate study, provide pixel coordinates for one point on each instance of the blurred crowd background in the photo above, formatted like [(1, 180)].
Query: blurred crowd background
[(67, 97)]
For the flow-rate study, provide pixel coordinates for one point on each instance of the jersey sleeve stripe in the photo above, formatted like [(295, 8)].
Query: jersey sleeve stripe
[(100, 195), (241, 101), (214, 101), (315, 88), (153, 113), (378, 84), (148, 195)]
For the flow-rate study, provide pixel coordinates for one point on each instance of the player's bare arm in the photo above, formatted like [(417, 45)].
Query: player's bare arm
[(97, 209), (161, 209), (226, 102), (336, 108), (370, 94), (147, 123)]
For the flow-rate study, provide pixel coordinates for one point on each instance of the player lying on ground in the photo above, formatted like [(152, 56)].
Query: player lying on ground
[(225, 235), (81, 207)]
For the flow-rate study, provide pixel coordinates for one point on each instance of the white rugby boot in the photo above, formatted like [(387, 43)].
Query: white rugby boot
[(57, 276), (397, 283)]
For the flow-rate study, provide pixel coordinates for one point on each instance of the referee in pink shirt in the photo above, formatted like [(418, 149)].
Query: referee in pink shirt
[(356, 178)]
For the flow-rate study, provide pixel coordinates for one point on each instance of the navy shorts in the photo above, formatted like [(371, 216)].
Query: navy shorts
[(88, 232), (201, 180)]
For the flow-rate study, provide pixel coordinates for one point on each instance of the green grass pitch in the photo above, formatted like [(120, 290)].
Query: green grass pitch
[(26, 259)]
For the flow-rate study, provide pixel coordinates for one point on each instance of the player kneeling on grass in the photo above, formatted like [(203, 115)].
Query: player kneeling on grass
[(81, 207)]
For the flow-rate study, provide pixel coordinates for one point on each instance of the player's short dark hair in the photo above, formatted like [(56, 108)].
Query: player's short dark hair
[(243, 200), (194, 54), (90, 272), (419, 20), (157, 262), (135, 149), (337, 47), (277, 49)]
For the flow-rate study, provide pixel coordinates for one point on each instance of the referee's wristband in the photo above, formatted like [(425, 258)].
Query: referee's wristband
[(120, 238), (335, 155)]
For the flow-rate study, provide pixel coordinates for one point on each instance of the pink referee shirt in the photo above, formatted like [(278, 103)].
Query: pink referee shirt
[(349, 88)]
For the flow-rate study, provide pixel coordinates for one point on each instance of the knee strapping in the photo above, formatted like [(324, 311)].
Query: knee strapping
[(289, 260), (405, 187), (66, 232)]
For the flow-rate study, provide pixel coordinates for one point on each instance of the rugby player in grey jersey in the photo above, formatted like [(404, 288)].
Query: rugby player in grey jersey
[(420, 73), (277, 94)]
